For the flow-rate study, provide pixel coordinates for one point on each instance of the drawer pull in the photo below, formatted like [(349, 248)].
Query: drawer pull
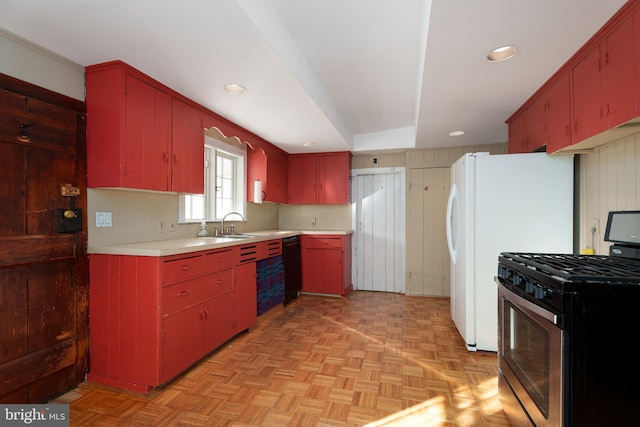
[(219, 282), (185, 267), (221, 259), (184, 293)]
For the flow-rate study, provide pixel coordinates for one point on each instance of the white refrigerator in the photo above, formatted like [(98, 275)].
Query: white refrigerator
[(501, 203)]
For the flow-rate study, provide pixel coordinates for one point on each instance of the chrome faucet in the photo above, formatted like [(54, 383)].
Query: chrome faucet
[(222, 230)]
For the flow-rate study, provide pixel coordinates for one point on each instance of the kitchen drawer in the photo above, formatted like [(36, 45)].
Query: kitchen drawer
[(274, 248), (218, 260), (182, 269), (187, 293), (184, 294), (251, 252), (220, 282), (322, 242)]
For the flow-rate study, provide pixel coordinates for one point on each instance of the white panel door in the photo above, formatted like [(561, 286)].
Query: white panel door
[(379, 224)]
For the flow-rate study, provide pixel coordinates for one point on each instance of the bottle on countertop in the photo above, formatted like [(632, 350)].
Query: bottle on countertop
[(202, 231)]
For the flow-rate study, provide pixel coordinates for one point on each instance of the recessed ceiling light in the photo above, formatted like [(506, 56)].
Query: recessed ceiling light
[(308, 144), (235, 89), (456, 133), (502, 53)]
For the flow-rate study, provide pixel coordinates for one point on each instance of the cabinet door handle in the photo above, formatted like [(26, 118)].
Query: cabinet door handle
[(165, 157), (184, 293), (175, 158), (206, 315)]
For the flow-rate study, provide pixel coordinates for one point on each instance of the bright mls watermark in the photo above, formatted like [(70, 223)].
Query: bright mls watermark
[(56, 415)]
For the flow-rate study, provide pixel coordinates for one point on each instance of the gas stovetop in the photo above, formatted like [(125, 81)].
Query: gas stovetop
[(550, 280), (580, 268)]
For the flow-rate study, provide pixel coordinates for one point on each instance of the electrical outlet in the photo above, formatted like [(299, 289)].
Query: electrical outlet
[(161, 228), (172, 227)]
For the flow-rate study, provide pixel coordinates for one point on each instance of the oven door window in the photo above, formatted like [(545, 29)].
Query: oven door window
[(532, 348), (527, 351)]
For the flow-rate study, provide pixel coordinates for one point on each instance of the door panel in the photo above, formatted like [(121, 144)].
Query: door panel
[(46, 171), (427, 255), (380, 231), (51, 302), (13, 300), (13, 189), (43, 274)]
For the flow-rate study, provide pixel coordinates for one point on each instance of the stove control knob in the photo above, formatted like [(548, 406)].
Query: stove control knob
[(517, 279), (528, 286), (539, 292)]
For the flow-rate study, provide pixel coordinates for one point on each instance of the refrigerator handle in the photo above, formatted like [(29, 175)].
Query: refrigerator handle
[(453, 194)]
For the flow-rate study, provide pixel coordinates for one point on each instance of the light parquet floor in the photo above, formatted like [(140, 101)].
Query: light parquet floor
[(374, 359)]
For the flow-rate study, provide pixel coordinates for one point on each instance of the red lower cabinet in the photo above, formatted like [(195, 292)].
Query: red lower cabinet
[(245, 295), (326, 264), (151, 318), (183, 343), (219, 321)]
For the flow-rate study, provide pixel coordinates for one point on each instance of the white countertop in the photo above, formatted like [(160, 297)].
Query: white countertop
[(195, 244)]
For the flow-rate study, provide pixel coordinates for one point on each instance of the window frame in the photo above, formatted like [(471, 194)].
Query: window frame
[(212, 147)]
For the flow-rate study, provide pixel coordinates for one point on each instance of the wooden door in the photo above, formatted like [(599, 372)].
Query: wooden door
[(427, 257), (43, 273), (379, 240)]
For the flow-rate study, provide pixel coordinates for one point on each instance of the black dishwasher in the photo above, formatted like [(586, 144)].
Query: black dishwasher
[(292, 268)]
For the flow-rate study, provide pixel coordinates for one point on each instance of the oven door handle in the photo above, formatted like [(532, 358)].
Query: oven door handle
[(528, 305)]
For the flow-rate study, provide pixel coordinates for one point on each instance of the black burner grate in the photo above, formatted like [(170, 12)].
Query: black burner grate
[(582, 268)]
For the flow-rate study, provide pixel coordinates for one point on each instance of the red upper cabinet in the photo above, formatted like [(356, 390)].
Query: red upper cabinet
[(269, 165), (319, 178), (604, 83), (187, 145), (619, 75), (140, 134), (517, 134), (333, 178), (303, 179), (558, 115), (535, 124), (128, 129), (545, 122)]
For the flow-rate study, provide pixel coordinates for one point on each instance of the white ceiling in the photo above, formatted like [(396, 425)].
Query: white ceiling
[(355, 75)]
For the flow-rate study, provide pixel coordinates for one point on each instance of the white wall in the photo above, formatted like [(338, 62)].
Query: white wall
[(609, 180), (26, 61)]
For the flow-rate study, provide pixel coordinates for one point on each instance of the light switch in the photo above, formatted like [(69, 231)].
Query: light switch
[(103, 219)]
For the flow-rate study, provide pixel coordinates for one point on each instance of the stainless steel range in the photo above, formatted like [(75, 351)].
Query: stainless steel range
[(568, 327)]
